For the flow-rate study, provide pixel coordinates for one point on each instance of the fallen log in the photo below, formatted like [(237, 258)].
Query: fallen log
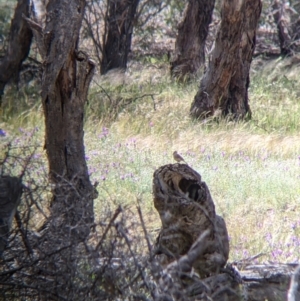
[(254, 283), (267, 281)]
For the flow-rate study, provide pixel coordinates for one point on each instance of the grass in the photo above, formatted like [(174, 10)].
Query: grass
[(135, 122)]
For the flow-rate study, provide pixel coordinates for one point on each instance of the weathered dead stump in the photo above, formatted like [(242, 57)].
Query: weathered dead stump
[(179, 282), (10, 197), (194, 239), (186, 211)]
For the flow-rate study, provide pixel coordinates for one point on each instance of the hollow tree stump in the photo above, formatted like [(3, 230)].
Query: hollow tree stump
[(186, 211), (10, 196), (193, 238)]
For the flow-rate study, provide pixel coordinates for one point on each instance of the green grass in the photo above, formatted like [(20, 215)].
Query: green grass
[(135, 122)]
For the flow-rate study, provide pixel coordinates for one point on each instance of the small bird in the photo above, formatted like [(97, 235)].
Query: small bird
[(178, 158)]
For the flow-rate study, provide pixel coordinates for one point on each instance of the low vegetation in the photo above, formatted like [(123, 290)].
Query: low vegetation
[(135, 122)]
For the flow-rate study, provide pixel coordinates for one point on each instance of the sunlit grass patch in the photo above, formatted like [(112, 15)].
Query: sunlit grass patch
[(275, 105), (21, 109)]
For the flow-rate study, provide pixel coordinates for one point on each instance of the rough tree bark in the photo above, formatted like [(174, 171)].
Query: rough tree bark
[(194, 239), (20, 37), (67, 74), (224, 86), (280, 19), (186, 211), (189, 53), (118, 33)]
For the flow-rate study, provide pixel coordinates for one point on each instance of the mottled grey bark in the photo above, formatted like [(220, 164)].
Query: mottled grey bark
[(189, 53), (19, 42), (186, 210), (224, 86)]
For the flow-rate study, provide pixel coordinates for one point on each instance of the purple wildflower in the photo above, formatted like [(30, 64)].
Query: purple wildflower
[(2, 133)]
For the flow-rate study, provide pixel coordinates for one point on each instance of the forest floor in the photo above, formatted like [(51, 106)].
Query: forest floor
[(135, 121)]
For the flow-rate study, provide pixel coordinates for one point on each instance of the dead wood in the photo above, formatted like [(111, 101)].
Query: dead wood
[(192, 248), (266, 281), (186, 211)]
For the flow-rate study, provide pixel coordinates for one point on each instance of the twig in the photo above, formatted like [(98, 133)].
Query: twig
[(121, 231), (33, 25), (145, 95), (117, 212), (249, 259), (104, 91), (10, 272), (23, 234), (39, 289), (144, 229)]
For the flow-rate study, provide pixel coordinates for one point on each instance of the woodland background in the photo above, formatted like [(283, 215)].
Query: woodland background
[(133, 121)]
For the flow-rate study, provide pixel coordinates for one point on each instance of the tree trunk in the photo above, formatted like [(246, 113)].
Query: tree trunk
[(280, 19), (10, 197), (190, 42), (118, 33), (18, 45), (66, 77), (224, 86)]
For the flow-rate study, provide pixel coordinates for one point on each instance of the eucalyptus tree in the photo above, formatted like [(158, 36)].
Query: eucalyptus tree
[(224, 86)]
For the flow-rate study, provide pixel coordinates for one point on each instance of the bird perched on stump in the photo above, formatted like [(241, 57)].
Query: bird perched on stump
[(178, 158), (187, 211)]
